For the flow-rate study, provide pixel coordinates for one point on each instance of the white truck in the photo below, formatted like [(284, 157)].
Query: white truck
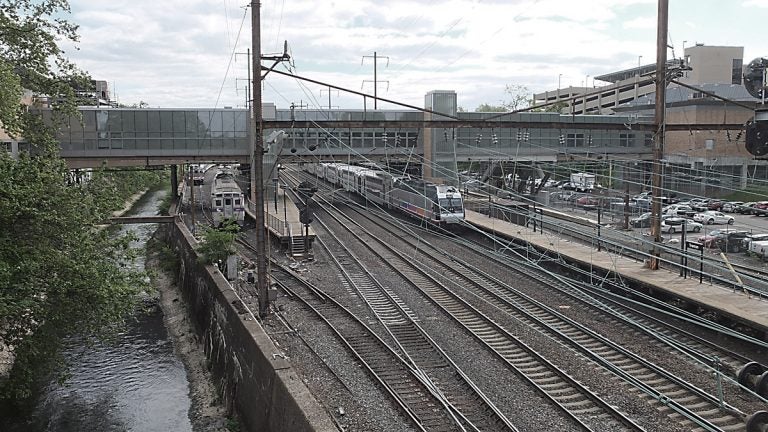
[(759, 249), (583, 182)]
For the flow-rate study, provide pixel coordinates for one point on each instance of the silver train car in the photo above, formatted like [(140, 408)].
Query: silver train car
[(438, 204), (227, 201)]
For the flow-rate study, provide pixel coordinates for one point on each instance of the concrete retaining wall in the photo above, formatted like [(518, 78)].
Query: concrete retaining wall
[(261, 386)]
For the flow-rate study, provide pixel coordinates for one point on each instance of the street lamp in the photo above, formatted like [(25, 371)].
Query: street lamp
[(558, 86), (639, 58)]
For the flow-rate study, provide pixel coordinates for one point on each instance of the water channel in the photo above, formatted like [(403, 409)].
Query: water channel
[(135, 384)]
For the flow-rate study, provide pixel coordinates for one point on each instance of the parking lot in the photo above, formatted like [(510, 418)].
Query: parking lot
[(614, 218)]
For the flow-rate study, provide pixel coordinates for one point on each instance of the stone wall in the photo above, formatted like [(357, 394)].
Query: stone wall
[(252, 376)]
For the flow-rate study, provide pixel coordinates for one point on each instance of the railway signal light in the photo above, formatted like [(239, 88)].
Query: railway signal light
[(305, 215)]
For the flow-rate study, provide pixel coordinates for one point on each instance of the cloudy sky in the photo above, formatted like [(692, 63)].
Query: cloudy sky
[(191, 53)]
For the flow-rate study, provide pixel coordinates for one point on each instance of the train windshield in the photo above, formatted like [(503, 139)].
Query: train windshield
[(451, 205)]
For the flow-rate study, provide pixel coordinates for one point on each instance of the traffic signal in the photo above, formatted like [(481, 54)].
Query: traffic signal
[(305, 215)]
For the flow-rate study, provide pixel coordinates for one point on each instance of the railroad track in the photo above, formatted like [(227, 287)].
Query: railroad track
[(700, 408), (418, 401), (472, 406), (602, 302), (586, 409)]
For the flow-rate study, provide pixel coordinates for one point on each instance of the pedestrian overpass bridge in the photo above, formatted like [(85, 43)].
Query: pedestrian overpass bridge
[(151, 137)]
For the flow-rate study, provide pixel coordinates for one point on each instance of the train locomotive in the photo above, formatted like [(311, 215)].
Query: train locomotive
[(439, 204), (227, 200)]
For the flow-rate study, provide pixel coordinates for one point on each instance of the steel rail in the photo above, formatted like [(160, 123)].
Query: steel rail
[(522, 359), (604, 344)]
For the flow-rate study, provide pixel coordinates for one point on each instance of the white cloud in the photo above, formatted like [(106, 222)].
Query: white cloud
[(175, 53)]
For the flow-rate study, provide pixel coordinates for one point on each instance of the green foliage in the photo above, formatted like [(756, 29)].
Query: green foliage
[(555, 107), (219, 243), (60, 275), (519, 97), (168, 258), (30, 32), (233, 425), (490, 108)]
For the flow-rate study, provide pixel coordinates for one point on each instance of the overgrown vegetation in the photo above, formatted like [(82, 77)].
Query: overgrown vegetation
[(219, 243), (59, 274)]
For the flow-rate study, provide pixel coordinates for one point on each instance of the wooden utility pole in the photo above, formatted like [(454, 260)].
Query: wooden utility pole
[(658, 142), (257, 163)]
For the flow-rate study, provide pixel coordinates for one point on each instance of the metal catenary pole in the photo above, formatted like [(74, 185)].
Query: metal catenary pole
[(658, 142), (257, 163)]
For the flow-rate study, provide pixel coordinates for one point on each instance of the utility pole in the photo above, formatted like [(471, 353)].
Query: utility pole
[(248, 85), (257, 155), (658, 142), (257, 163), (192, 198), (375, 76), (329, 95)]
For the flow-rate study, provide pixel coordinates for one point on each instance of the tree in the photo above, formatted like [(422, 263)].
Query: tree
[(519, 99), (555, 107), (60, 274), (519, 95), (219, 244), (490, 108)]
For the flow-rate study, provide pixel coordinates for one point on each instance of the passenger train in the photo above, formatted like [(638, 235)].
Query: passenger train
[(439, 204), (227, 200)]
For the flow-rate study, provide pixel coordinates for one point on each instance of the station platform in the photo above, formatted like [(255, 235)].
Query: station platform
[(281, 217), (735, 305)]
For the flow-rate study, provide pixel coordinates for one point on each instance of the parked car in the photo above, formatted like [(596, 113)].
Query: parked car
[(753, 237), (745, 208), (731, 241), (709, 240), (760, 208), (716, 205), (678, 210), (731, 206), (713, 217), (640, 203), (588, 202), (700, 204), (678, 224), (644, 220)]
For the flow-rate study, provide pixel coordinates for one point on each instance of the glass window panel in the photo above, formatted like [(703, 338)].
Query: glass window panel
[(153, 121), (241, 123), (89, 121), (204, 123), (166, 121), (102, 119), (140, 121), (128, 123), (114, 121), (215, 121), (228, 121), (179, 122), (192, 124)]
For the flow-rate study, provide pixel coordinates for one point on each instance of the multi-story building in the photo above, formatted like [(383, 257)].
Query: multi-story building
[(697, 158)]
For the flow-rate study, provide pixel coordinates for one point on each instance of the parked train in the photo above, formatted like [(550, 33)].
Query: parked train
[(227, 201), (438, 204)]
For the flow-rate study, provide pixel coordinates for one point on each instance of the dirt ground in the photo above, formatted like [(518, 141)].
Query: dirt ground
[(207, 413)]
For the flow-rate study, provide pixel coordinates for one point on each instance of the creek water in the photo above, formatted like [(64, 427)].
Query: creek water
[(134, 384)]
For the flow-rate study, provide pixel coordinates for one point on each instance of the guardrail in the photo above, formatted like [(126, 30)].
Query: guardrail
[(687, 263)]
